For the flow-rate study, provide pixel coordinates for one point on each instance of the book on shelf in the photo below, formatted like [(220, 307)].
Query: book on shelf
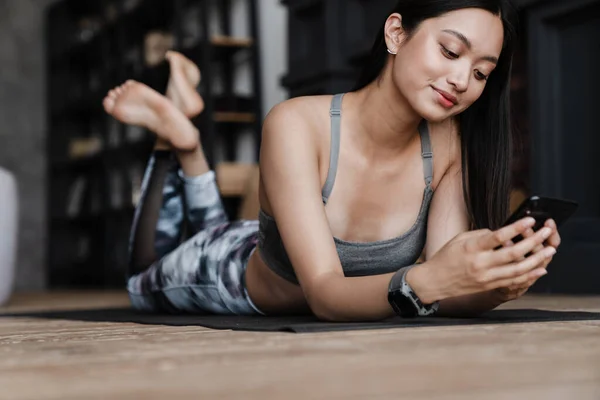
[(75, 196), (85, 147), (156, 45), (113, 131), (136, 174), (116, 189)]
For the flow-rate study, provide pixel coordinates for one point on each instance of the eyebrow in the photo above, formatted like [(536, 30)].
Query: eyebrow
[(469, 45)]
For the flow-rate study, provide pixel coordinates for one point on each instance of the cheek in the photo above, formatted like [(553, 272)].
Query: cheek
[(433, 65), (416, 75), (423, 66), (405, 78)]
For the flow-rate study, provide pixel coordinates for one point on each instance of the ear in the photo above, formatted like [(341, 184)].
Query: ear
[(394, 33)]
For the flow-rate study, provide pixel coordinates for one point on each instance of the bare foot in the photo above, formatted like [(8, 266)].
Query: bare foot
[(137, 104), (184, 78)]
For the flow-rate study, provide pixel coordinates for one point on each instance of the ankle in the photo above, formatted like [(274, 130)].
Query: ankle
[(162, 145), (193, 162)]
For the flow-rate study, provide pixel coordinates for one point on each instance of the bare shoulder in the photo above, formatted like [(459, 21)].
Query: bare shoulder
[(300, 112), (301, 121), (291, 144)]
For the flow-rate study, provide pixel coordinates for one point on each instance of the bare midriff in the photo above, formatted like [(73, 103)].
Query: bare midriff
[(271, 293)]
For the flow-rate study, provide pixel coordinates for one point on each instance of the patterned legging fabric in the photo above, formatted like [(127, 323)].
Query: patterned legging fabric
[(185, 256)]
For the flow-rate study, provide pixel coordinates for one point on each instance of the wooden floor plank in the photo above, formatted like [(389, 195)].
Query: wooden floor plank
[(59, 359)]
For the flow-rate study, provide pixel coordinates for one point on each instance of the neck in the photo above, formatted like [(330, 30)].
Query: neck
[(387, 123)]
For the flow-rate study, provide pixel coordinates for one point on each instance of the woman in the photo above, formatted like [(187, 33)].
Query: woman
[(354, 188)]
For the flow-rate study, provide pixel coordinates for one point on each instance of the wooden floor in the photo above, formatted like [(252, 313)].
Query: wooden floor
[(54, 359)]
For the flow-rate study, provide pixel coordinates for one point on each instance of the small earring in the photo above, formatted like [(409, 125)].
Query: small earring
[(389, 51)]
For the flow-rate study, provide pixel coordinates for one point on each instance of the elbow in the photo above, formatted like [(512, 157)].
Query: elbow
[(322, 302), (325, 313)]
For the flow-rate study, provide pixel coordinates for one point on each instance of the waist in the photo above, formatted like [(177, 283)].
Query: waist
[(270, 292)]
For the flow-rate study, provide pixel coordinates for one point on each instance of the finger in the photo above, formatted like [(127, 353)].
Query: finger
[(522, 292), (554, 239), (519, 250), (526, 285), (538, 248), (521, 280), (547, 262), (508, 243), (515, 294), (496, 238), (528, 233), (521, 268)]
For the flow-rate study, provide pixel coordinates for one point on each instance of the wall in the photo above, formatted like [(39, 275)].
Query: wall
[(273, 48), (22, 128), (273, 31)]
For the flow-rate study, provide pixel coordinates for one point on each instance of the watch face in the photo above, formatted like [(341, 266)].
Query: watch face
[(402, 305)]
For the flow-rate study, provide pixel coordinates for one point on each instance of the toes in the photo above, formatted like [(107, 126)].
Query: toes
[(108, 104), (171, 54)]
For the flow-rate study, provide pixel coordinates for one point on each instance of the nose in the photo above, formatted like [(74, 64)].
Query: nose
[(459, 78)]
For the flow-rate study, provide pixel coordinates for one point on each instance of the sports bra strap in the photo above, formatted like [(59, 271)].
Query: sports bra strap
[(335, 113), (426, 152)]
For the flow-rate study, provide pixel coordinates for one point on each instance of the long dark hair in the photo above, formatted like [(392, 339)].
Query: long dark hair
[(485, 127)]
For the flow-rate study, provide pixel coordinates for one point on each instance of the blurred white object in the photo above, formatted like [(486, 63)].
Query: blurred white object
[(9, 211)]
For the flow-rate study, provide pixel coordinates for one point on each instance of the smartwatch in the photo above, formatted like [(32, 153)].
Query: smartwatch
[(404, 300)]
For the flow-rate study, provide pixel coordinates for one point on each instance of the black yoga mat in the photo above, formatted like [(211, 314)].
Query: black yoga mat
[(304, 324)]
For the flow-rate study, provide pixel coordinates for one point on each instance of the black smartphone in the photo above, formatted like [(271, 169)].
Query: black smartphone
[(542, 209)]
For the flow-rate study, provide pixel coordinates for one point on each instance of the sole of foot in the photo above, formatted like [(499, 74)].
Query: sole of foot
[(134, 103), (183, 81)]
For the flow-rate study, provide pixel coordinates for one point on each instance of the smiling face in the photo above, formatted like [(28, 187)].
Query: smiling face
[(442, 69)]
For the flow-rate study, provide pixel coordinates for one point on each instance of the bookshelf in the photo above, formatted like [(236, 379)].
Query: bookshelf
[(95, 164)]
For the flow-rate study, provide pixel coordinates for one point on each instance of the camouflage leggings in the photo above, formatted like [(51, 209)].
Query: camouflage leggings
[(204, 273)]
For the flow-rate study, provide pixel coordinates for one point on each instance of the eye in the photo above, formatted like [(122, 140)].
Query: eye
[(448, 53), (480, 76)]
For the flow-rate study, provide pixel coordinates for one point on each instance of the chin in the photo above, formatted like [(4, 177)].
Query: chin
[(434, 114)]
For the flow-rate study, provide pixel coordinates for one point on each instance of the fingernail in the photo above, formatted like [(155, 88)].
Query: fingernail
[(546, 232), (529, 221), (542, 273), (549, 252)]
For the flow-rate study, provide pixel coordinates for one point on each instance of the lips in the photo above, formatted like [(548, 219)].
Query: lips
[(452, 99)]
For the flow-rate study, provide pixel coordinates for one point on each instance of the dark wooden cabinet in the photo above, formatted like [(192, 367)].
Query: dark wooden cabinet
[(564, 39), (328, 41)]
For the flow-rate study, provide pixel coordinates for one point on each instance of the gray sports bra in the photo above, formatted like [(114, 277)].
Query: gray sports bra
[(357, 258)]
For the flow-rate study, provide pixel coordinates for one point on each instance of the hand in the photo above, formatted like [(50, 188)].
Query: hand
[(515, 291), (478, 261)]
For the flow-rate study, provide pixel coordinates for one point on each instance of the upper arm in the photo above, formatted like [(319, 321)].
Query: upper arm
[(289, 165), (448, 215)]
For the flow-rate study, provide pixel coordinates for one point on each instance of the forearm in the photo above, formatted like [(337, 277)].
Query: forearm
[(469, 305), (339, 298), (428, 288)]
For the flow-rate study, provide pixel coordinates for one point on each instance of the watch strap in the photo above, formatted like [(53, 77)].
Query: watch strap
[(399, 287)]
